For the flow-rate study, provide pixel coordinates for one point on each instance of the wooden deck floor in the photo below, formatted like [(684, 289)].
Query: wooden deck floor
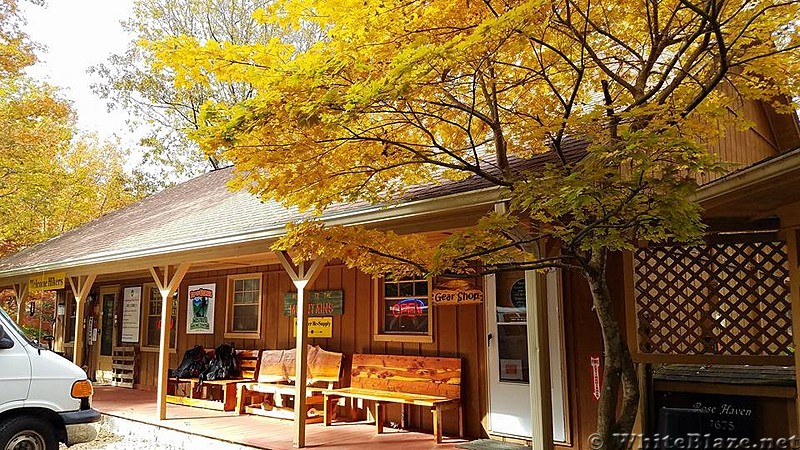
[(255, 431)]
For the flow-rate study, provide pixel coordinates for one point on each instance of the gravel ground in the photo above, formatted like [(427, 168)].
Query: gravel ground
[(106, 440), (118, 433)]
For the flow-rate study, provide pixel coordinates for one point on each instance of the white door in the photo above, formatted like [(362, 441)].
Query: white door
[(15, 370), (509, 374), (509, 392)]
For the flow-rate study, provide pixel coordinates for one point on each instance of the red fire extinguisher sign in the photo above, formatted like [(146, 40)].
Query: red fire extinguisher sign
[(594, 362)]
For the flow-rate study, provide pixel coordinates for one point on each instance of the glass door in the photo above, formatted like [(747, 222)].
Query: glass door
[(509, 393), (507, 298), (107, 335)]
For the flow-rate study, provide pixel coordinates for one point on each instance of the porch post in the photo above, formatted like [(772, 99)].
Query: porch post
[(539, 362), (793, 252), (302, 279), (81, 285), (166, 287), (20, 292)]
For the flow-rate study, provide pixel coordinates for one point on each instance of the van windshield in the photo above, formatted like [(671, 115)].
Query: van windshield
[(11, 323)]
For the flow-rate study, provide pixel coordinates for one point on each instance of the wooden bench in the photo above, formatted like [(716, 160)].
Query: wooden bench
[(273, 391), (199, 395), (409, 380)]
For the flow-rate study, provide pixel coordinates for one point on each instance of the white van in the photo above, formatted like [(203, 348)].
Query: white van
[(44, 398)]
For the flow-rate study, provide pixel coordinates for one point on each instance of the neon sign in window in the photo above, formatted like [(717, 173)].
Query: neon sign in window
[(405, 307)]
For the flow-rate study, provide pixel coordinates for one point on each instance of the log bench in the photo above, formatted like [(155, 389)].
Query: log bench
[(272, 394), (198, 393), (408, 380)]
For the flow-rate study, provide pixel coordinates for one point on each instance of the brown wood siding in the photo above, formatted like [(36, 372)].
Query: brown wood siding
[(458, 332), (743, 148)]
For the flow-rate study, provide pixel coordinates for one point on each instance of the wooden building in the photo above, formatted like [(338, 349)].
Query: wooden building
[(130, 273)]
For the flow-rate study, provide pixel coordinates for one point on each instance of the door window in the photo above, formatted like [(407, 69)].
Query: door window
[(107, 326), (69, 323), (512, 328)]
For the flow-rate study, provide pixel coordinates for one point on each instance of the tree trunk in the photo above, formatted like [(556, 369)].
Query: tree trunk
[(614, 422)]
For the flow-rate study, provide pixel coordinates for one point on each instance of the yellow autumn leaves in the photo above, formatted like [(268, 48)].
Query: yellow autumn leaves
[(51, 178), (402, 93)]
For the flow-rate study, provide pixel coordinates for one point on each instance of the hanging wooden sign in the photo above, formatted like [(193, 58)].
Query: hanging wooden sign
[(47, 282), (456, 292), (320, 304), (597, 380)]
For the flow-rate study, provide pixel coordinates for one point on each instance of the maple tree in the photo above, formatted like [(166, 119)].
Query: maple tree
[(401, 93), (39, 324), (52, 177), (84, 180), (16, 50)]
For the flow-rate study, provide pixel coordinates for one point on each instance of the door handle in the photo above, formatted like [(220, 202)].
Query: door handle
[(489, 340)]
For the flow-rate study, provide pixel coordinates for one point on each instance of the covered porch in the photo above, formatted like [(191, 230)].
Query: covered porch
[(255, 431)]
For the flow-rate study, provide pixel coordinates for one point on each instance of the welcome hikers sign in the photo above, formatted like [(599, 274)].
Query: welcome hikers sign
[(200, 311)]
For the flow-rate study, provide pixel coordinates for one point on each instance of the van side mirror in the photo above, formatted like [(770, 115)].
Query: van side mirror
[(5, 341)]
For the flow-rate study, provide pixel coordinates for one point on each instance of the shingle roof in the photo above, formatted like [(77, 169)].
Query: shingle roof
[(201, 210)]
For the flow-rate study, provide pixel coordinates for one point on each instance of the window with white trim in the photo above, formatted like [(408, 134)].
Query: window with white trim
[(152, 321), (243, 312)]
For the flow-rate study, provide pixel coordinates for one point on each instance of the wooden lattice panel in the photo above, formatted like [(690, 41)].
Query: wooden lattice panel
[(716, 299)]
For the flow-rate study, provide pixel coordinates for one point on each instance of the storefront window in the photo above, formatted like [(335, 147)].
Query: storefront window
[(404, 309), (244, 304), (152, 330)]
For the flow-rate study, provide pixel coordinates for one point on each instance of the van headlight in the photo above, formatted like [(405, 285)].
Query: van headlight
[(82, 389)]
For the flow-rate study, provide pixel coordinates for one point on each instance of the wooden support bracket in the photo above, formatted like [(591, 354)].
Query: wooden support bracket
[(302, 277)]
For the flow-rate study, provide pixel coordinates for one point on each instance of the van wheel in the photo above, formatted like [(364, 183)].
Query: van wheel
[(27, 433)]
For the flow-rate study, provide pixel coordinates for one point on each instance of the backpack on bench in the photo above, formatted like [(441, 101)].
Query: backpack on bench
[(223, 366), (195, 361)]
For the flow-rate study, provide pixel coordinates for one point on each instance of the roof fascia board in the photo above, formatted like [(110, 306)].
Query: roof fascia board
[(375, 215), (748, 177)]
